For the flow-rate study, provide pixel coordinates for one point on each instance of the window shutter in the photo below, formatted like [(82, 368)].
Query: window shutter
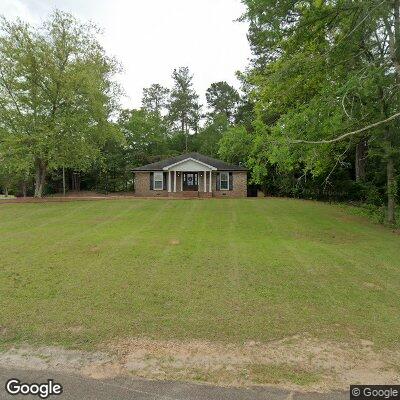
[(165, 176), (217, 181), (230, 181), (151, 180)]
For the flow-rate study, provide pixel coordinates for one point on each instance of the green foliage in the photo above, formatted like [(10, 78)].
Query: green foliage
[(376, 214), (183, 107), (141, 137), (56, 93), (321, 69), (15, 164), (222, 98), (235, 145), (207, 140), (145, 134), (155, 98)]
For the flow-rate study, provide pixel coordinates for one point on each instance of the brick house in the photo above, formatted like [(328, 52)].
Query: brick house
[(191, 175)]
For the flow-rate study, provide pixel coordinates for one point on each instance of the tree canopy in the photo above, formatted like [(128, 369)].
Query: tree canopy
[(183, 107), (222, 98), (322, 69), (155, 98), (317, 114), (56, 94)]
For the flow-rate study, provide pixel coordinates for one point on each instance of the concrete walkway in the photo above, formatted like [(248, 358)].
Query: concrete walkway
[(78, 388)]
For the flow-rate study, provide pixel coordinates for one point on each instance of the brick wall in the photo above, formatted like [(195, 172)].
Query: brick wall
[(142, 186), (239, 186)]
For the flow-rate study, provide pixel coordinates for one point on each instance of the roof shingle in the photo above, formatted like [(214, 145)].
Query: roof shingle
[(218, 164)]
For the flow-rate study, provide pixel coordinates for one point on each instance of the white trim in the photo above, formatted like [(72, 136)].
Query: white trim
[(205, 181), (210, 181), (220, 180), (174, 181), (189, 159), (158, 180)]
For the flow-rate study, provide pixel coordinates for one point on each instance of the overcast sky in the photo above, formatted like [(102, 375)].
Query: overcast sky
[(152, 37)]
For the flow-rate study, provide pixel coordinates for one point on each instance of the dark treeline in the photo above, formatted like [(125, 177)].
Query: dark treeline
[(170, 122), (316, 116)]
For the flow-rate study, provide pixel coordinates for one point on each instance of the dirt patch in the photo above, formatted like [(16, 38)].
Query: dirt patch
[(76, 329), (71, 197), (94, 249), (372, 286), (102, 370), (296, 362), (51, 358)]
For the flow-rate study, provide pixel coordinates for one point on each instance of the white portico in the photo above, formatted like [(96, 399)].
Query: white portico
[(189, 175)]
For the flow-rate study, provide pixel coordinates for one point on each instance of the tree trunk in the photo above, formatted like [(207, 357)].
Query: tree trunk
[(184, 131), (6, 191), (24, 189), (63, 174), (182, 124), (40, 178), (391, 191), (361, 160), (76, 182), (394, 49)]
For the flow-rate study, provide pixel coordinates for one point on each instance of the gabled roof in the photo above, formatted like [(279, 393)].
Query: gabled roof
[(213, 162)]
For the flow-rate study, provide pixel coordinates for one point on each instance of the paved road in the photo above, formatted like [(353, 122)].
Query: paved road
[(78, 388)]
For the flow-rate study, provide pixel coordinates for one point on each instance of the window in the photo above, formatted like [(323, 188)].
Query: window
[(158, 181), (224, 180)]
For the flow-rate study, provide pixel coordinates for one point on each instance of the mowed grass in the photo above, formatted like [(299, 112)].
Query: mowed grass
[(80, 273)]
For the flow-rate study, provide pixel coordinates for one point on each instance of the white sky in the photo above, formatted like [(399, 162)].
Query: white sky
[(152, 37)]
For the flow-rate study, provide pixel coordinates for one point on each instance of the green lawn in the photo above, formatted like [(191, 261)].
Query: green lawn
[(79, 273)]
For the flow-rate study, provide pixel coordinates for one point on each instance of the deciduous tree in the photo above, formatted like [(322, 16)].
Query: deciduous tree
[(321, 69), (56, 93)]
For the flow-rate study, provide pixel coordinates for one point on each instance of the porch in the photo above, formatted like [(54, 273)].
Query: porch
[(189, 183)]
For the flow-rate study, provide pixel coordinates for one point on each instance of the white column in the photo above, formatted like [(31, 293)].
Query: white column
[(174, 181), (205, 181), (210, 181), (169, 181)]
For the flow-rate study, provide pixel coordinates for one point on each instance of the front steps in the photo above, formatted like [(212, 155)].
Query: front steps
[(190, 194)]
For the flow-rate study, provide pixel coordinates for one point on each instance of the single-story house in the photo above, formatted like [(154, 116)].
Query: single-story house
[(191, 175)]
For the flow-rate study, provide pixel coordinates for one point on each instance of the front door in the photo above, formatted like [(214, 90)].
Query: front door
[(190, 181)]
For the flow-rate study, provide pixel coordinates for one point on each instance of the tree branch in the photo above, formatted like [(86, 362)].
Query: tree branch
[(334, 167), (9, 91), (345, 135)]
